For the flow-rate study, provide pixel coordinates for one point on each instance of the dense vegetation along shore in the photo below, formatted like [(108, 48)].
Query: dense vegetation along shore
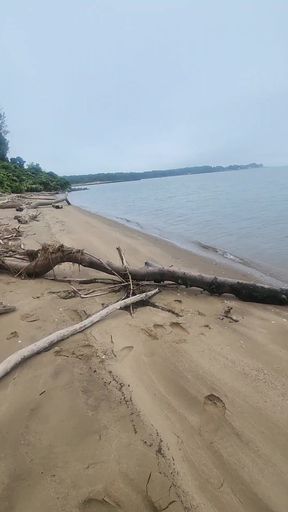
[(17, 177), (111, 177)]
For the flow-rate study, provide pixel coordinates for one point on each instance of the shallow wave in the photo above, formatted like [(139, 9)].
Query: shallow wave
[(222, 252), (130, 222)]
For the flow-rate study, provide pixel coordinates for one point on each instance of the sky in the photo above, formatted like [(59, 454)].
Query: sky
[(103, 85)]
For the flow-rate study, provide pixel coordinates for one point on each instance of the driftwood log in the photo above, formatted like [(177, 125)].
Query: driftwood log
[(10, 204), (25, 217), (30, 202), (45, 343), (39, 262), (60, 199)]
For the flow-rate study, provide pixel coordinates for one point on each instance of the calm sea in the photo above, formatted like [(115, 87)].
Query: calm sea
[(239, 215)]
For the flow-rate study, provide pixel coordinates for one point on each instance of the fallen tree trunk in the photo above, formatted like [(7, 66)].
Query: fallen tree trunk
[(30, 202), (45, 343), (10, 204), (50, 202), (45, 259)]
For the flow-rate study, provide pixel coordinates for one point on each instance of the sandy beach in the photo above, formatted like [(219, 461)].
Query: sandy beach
[(178, 411)]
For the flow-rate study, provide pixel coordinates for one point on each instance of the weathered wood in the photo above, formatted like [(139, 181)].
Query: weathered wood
[(60, 199), (10, 204), (45, 343), (41, 261), (26, 217), (22, 201)]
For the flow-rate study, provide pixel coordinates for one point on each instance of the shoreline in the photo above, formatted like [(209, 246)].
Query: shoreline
[(167, 405), (231, 265)]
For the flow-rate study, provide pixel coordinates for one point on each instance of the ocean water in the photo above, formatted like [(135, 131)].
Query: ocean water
[(239, 215)]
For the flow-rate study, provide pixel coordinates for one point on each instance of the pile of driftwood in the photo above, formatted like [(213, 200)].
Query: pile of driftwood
[(10, 244), (9, 235), (31, 201), (37, 263), (25, 263), (32, 263)]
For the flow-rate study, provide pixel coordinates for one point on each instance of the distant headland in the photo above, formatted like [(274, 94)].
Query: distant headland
[(113, 177)]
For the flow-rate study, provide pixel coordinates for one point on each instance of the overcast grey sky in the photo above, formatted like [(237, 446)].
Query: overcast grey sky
[(91, 85)]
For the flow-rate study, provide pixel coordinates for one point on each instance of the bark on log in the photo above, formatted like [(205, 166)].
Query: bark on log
[(45, 343), (45, 259)]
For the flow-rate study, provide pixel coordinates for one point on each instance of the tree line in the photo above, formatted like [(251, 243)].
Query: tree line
[(112, 177), (17, 177)]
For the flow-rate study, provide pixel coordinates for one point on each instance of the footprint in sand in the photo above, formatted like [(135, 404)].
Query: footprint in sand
[(150, 332), (29, 317), (12, 335), (159, 327), (124, 352), (157, 331), (213, 416), (177, 326), (96, 505)]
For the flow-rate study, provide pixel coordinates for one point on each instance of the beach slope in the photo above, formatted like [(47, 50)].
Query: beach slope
[(173, 409)]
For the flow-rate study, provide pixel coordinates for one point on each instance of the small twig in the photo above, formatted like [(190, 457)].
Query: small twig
[(124, 263), (163, 308), (53, 269), (107, 266), (167, 506), (147, 483), (92, 280), (227, 314), (98, 293)]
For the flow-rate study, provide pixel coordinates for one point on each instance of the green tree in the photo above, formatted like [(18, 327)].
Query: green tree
[(34, 168), (18, 161), (4, 144)]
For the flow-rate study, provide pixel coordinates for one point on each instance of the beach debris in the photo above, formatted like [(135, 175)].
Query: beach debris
[(26, 217), (33, 201), (125, 266), (38, 262), (98, 292), (45, 343), (164, 308), (9, 234), (63, 294), (227, 314)]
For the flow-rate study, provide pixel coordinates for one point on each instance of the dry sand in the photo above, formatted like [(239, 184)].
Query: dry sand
[(160, 411)]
